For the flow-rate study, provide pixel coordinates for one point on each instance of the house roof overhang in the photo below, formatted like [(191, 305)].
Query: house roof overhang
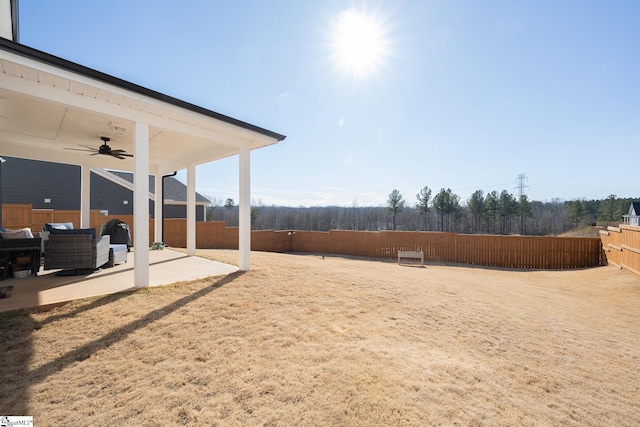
[(50, 107)]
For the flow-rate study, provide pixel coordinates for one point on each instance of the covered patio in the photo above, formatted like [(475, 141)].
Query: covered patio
[(55, 110), (165, 267)]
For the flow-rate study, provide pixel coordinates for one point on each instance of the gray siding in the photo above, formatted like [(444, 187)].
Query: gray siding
[(109, 196), (106, 195), (31, 181), (180, 211)]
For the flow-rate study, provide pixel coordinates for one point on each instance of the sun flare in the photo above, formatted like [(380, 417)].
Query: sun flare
[(359, 43)]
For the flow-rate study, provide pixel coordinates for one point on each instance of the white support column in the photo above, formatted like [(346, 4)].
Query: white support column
[(244, 243), (191, 210), (157, 211), (8, 20), (85, 197), (141, 205)]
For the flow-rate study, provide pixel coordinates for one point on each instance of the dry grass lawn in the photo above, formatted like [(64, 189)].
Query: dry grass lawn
[(301, 340)]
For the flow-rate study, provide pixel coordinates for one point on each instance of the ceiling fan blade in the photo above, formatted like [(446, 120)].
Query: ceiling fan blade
[(104, 149), (121, 153), (80, 149)]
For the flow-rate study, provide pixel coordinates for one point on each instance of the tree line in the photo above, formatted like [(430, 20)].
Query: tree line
[(490, 213)]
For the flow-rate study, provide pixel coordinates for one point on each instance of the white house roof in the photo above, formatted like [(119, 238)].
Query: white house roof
[(49, 105)]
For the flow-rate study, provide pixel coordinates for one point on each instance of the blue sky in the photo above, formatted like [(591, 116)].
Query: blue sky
[(460, 94)]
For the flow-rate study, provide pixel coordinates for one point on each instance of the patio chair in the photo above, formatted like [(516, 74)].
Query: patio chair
[(75, 251), (15, 244)]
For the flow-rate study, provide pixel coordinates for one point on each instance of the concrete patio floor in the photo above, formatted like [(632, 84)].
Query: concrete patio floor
[(166, 266)]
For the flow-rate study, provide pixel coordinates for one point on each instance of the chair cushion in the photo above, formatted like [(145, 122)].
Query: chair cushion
[(23, 233), (76, 231), (58, 226)]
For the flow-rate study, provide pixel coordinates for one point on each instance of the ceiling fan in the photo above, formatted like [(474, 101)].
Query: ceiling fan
[(104, 149)]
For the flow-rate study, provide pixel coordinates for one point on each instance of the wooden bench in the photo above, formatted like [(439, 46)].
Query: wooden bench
[(411, 255)]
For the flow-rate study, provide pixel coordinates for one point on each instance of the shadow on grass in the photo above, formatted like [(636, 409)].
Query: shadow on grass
[(16, 345), (95, 303), (16, 350)]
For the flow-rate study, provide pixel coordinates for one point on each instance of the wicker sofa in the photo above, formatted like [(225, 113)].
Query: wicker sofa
[(75, 250)]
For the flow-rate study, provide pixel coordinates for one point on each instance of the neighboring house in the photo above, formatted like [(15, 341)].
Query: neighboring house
[(57, 187), (633, 217)]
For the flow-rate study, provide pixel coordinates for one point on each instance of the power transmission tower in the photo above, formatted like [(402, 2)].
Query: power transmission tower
[(520, 180)]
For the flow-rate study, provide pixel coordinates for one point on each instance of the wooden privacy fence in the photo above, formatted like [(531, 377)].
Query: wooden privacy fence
[(21, 216), (525, 252), (216, 235), (622, 247)]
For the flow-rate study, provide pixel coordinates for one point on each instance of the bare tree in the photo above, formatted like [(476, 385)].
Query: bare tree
[(212, 210)]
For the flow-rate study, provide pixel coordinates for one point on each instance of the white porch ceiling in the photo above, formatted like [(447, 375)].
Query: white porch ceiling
[(48, 106)]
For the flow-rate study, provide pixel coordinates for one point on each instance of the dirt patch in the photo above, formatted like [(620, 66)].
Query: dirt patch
[(302, 340)]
